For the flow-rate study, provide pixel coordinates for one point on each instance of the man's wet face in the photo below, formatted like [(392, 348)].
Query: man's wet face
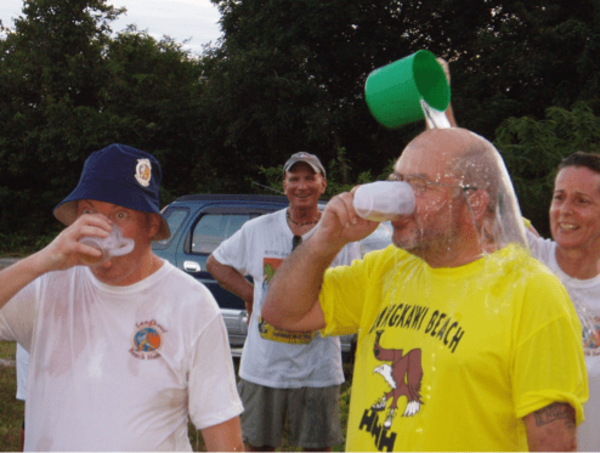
[(136, 225), (434, 227)]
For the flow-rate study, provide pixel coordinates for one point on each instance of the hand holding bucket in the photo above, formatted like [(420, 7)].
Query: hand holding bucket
[(394, 92)]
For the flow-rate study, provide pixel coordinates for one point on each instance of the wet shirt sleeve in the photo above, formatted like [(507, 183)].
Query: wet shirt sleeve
[(549, 364), (344, 292), (17, 316), (213, 396)]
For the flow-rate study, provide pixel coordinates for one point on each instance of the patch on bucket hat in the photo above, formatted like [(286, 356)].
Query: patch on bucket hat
[(143, 172), (121, 175)]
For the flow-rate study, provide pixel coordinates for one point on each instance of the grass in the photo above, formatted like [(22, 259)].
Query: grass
[(11, 412), (11, 409)]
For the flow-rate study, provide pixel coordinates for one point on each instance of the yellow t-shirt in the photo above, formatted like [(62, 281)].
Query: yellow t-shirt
[(453, 358)]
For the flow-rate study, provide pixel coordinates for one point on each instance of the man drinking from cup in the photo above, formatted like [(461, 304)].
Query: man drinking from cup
[(122, 353), (465, 341)]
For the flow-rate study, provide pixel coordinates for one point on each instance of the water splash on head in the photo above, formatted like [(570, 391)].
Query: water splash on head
[(436, 119), (482, 167), (465, 205)]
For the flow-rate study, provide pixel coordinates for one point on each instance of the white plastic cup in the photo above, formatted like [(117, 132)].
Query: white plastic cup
[(112, 245), (384, 200)]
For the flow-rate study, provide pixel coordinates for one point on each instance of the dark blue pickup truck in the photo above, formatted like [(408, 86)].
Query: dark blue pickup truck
[(199, 223)]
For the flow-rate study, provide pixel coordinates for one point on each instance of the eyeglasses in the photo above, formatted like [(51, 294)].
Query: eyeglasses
[(419, 184), (296, 242)]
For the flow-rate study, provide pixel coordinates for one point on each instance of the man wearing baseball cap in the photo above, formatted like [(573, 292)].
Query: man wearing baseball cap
[(310, 159), (283, 375), (123, 352)]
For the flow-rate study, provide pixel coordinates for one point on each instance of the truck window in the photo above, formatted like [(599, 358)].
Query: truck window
[(212, 229), (174, 218)]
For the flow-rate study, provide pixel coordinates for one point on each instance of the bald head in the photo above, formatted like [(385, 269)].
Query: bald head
[(464, 197), (458, 155), (452, 139)]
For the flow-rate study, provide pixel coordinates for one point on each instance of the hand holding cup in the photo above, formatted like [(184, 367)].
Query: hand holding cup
[(115, 244)]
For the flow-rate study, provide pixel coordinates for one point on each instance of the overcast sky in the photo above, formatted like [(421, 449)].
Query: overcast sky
[(179, 19)]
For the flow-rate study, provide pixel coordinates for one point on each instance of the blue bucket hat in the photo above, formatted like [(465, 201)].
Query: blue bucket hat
[(120, 175)]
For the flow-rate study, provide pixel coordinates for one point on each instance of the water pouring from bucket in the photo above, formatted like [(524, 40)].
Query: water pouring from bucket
[(410, 89)]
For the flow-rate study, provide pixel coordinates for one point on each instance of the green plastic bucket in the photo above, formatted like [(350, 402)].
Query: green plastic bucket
[(394, 92)]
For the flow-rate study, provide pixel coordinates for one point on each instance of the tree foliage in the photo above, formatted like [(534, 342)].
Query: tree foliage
[(534, 55), (287, 75), (533, 149), (152, 102), (68, 88), (51, 78)]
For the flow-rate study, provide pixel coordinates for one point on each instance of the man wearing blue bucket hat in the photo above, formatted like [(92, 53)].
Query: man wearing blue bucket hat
[(123, 349)]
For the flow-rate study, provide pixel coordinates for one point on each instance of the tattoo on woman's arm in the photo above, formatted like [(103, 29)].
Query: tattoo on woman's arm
[(555, 411)]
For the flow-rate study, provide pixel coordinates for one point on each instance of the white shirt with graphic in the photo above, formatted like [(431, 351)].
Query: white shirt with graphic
[(271, 357), (121, 368), (585, 295)]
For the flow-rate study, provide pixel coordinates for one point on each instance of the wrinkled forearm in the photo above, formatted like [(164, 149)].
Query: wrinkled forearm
[(552, 428), (231, 280)]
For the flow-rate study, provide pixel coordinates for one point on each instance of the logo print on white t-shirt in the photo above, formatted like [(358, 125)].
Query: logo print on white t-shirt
[(591, 337), (147, 340)]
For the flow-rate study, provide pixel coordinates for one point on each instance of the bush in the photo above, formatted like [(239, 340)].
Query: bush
[(533, 149)]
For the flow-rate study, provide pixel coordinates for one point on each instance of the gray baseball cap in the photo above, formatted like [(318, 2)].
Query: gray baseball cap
[(307, 158)]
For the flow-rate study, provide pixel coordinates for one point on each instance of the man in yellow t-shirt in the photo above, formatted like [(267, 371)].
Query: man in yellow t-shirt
[(465, 342)]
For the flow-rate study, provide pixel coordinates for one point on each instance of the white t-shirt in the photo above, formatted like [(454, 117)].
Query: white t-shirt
[(270, 357), (585, 295), (121, 368), (22, 371)]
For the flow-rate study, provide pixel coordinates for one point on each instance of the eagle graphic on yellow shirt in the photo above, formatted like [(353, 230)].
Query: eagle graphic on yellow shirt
[(403, 375)]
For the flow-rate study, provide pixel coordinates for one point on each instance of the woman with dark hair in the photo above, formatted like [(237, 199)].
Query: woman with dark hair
[(573, 255)]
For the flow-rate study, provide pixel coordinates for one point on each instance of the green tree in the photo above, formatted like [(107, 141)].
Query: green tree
[(289, 74), (152, 102), (532, 150), (68, 88), (52, 74), (533, 55)]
